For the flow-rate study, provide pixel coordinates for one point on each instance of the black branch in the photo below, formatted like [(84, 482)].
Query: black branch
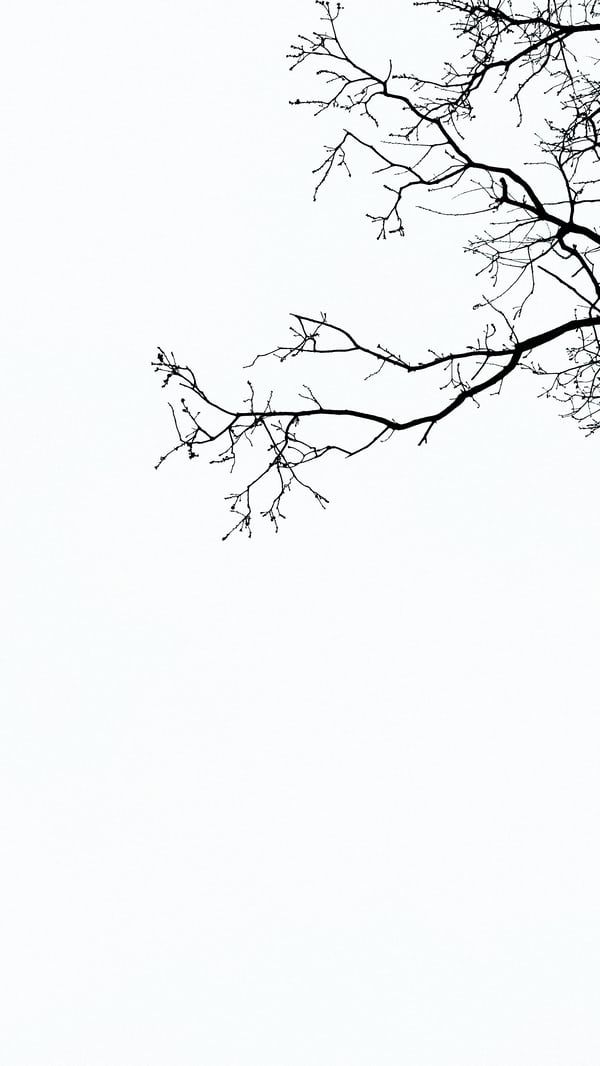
[(538, 241)]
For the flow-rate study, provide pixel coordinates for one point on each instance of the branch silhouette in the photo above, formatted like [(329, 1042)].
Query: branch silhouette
[(536, 251)]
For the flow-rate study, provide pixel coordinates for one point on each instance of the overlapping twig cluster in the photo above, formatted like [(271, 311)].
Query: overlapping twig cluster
[(528, 242)]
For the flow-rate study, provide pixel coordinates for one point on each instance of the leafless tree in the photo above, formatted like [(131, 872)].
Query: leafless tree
[(538, 244)]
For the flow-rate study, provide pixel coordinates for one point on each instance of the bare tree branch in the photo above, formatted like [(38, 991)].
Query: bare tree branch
[(528, 239)]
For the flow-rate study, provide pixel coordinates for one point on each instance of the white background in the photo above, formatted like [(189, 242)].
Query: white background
[(328, 797)]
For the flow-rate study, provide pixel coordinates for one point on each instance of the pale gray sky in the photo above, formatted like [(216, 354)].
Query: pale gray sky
[(324, 798)]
